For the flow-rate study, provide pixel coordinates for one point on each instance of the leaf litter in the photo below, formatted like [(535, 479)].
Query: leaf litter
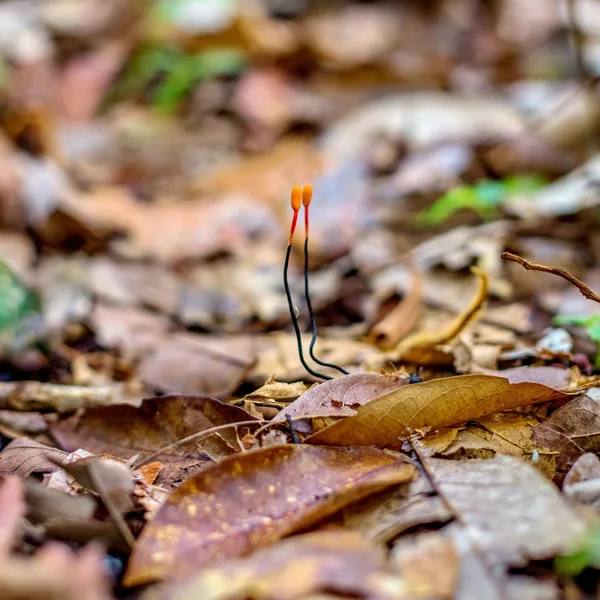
[(161, 422)]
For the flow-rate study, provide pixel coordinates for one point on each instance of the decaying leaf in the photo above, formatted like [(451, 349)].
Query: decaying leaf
[(194, 364), (252, 500), (277, 391), (501, 434), (125, 431), (506, 515), (431, 405), (340, 397), (553, 377), (23, 456), (571, 431), (338, 561)]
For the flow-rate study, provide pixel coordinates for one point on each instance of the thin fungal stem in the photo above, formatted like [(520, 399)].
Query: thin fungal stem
[(295, 201), (306, 199), (292, 310)]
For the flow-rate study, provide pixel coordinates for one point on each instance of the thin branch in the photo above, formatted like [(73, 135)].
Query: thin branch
[(584, 289), (195, 437), (110, 505), (477, 550)]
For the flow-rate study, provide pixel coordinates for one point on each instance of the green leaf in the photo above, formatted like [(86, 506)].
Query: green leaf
[(588, 555), (590, 324), (171, 73), (16, 300), (484, 198)]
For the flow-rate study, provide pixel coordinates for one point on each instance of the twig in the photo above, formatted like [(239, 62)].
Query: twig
[(195, 437), (110, 505), (33, 395), (454, 513), (584, 289), (290, 422)]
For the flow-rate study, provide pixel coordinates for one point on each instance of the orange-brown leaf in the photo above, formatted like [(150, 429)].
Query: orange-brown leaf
[(340, 397), (125, 431), (431, 405), (251, 500)]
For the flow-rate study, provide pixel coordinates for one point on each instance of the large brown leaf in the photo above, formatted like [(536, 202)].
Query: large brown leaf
[(251, 500), (431, 405), (330, 561), (125, 431), (506, 514), (340, 397)]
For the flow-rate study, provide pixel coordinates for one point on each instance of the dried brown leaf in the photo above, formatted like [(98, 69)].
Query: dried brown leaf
[(572, 430), (24, 456), (340, 397), (252, 500), (429, 406), (194, 364), (339, 561), (553, 377), (125, 431), (506, 509), (501, 434)]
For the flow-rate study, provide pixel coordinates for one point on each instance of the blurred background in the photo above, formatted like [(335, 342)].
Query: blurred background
[(148, 149)]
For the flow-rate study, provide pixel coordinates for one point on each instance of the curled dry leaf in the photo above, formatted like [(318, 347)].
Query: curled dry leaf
[(409, 348), (125, 431), (24, 456), (401, 320), (252, 500), (278, 391), (429, 406), (340, 397)]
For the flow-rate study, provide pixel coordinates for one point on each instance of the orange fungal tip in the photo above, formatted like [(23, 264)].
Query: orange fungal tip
[(307, 193), (296, 195)]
